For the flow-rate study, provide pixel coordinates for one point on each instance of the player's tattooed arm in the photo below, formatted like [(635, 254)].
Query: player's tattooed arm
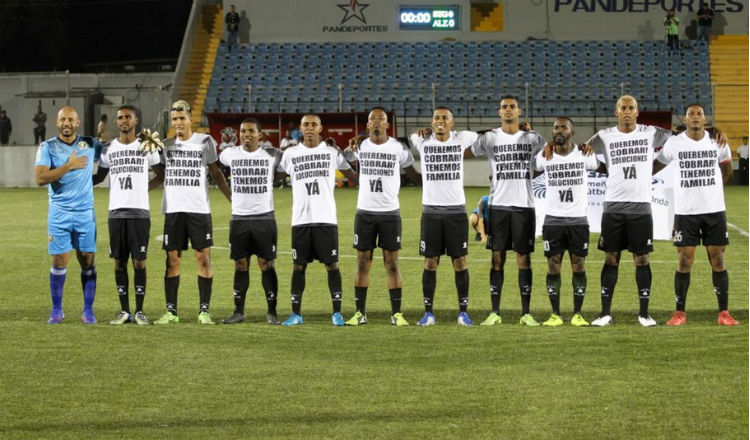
[(726, 171), (220, 180), (351, 175), (158, 178), (657, 166), (413, 175)]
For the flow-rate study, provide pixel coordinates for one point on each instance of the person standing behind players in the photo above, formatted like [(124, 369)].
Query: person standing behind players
[(378, 219), (566, 225), (66, 164), (129, 217), (312, 167), (252, 229), (699, 211), (444, 225), (187, 214), (510, 152), (628, 149)]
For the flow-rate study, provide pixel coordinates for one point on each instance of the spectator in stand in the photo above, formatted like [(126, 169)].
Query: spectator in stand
[(742, 153), (5, 128), (232, 20), (672, 24), (705, 19), (40, 119)]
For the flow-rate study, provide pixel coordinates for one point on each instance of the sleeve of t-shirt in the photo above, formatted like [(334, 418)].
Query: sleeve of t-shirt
[(536, 147), (416, 142), (224, 157), (284, 163), (153, 158), (666, 154), (725, 154), (539, 161), (468, 138), (209, 150), (597, 144), (479, 147), (351, 156), (592, 163), (342, 164), (661, 137), (42, 156), (104, 157), (406, 158)]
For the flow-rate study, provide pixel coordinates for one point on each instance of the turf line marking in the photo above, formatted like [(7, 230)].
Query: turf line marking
[(738, 229)]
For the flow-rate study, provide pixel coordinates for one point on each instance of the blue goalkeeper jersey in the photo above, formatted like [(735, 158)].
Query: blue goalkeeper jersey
[(74, 191)]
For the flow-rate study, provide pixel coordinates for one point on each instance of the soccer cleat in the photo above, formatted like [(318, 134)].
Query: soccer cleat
[(88, 317), (493, 319), (528, 320), (293, 319), (602, 321), (205, 318), (726, 319), (140, 318), (427, 319), (464, 320), (236, 318), (337, 319), (272, 319), (478, 237), (678, 318), (646, 321), (122, 318), (168, 318), (55, 316), (554, 320), (398, 320), (357, 319), (578, 321)]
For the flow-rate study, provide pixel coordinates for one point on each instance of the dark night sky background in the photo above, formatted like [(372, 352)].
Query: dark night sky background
[(42, 35)]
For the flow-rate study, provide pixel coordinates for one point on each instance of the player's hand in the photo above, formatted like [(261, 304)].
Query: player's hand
[(76, 162), (720, 137), (549, 148), (150, 142), (331, 142), (425, 133), (586, 149), (524, 126), (354, 143)]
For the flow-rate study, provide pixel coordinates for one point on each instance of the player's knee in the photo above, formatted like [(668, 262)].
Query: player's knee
[(265, 265), (459, 264), (241, 265), (363, 265), (577, 263), (523, 261), (332, 266), (612, 258), (717, 260), (137, 264), (431, 264), (498, 261), (299, 267), (641, 260)]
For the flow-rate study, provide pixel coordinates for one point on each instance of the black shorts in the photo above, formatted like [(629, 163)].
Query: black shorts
[(634, 232), (511, 230), (444, 234), (689, 230), (315, 243), (558, 239), (129, 237), (371, 231), (179, 226), (252, 237)]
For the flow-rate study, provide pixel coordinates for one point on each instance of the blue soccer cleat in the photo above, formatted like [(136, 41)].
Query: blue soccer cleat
[(337, 320), (427, 319), (464, 320), (293, 319), (88, 317), (56, 316)]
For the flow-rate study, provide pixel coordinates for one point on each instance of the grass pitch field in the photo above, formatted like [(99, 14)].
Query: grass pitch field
[(73, 381)]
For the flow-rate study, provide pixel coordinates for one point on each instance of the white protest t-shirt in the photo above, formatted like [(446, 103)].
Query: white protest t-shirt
[(567, 182), (185, 163), (128, 174), (380, 174), (313, 175), (698, 184), (252, 180)]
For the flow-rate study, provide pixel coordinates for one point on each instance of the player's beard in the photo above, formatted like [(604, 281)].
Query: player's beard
[(560, 140)]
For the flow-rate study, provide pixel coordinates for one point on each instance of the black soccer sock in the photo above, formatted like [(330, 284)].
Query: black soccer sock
[(721, 287), (496, 288), (139, 278), (360, 299), (334, 286), (461, 278), (121, 280), (171, 286), (270, 283), (429, 282), (524, 287), (239, 289), (395, 295), (609, 280), (298, 288), (579, 290), (204, 292), (643, 281), (553, 290), (681, 285)]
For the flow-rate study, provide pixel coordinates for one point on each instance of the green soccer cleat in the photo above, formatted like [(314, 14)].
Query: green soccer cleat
[(528, 320), (357, 319), (122, 318), (553, 321), (578, 321), (493, 319), (205, 318), (168, 318), (398, 320)]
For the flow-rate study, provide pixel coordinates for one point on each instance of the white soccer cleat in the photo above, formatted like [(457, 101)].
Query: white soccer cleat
[(646, 321), (602, 321)]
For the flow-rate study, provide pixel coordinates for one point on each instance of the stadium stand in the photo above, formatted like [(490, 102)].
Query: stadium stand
[(729, 71)]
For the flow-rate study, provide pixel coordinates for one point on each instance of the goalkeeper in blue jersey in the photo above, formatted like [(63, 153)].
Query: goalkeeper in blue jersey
[(479, 217), (66, 163)]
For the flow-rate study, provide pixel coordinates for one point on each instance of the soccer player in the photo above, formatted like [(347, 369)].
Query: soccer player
[(312, 167), (187, 214), (566, 224), (700, 213), (444, 225), (65, 163), (512, 221), (252, 230), (129, 215), (378, 219), (628, 149), (479, 217)]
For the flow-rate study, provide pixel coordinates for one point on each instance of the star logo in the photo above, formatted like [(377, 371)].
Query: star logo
[(353, 10)]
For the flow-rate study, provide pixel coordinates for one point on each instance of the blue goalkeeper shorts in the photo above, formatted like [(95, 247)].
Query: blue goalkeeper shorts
[(71, 230)]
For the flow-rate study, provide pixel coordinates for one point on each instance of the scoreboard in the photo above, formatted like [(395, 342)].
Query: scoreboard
[(425, 18)]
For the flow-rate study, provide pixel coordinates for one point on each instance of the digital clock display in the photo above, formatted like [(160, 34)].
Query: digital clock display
[(426, 18)]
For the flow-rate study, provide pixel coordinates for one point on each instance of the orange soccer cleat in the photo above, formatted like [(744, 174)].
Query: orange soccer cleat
[(726, 319), (678, 318)]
